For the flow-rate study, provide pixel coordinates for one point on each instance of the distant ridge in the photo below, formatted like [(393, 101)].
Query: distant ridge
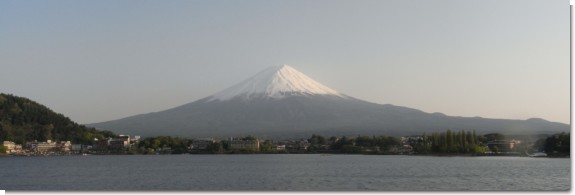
[(283, 102)]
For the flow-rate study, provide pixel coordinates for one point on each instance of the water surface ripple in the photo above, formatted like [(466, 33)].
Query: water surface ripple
[(285, 172)]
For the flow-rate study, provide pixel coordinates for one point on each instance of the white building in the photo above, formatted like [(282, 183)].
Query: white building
[(245, 145), (49, 146), (10, 146), (280, 147), (44, 147)]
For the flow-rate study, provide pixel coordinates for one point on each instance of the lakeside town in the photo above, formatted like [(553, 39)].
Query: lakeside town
[(445, 143)]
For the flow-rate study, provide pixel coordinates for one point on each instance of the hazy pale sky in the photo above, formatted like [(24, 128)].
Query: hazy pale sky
[(98, 60)]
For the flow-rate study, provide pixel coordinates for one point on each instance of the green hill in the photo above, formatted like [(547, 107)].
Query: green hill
[(22, 120)]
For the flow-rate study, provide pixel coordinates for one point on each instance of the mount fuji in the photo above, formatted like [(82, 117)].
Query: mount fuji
[(283, 102)]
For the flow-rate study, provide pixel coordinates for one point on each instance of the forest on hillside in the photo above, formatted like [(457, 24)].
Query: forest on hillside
[(23, 120)]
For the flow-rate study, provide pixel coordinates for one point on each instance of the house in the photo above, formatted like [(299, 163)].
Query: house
[(411, 140), (136, 138), (303, 144), (45, 147), (116, 144), (297, 145), (403, 149), (244, 145), (101, 144), (50, 146), (280, 148), (202, 143), (504, 146), (10, 146), (123, 141), (64, 146), (77, 148)]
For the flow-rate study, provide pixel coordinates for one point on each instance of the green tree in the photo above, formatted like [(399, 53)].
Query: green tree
[(494, 136), (423, 145), (450, 142), (364, 141), (495, 149), (249, 137), (332, 139), (24, 120), (480, 149), (558, 143), (350, 149), (317, 140), (470, 142), (266, 146), (216, 148), (385, 143)]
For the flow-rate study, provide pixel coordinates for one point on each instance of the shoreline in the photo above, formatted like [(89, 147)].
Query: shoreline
[(321, 154)]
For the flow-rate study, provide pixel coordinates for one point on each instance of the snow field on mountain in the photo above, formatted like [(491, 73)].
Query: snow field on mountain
[(275, 82)]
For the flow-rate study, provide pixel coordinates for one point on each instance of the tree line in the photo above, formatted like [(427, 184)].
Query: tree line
[(314, 144), (448, 142), (359, 144), (555, 145)]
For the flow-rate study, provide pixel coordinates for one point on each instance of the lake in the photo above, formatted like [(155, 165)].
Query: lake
[(284, 172)]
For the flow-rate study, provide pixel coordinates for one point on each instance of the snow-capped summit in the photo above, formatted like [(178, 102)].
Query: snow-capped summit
[(275, 82)]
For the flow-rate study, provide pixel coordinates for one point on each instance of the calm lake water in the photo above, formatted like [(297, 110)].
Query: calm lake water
[(285, 172)]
